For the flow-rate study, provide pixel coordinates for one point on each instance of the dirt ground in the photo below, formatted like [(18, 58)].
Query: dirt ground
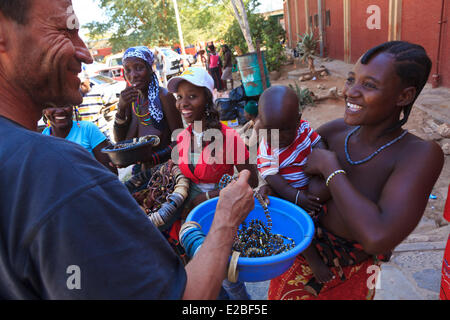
[(432, 227)]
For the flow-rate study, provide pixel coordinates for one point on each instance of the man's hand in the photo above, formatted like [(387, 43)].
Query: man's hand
[(206, 271), (235, 202)]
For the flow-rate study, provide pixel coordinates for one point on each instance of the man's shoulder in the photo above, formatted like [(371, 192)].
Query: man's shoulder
[(42, 152)]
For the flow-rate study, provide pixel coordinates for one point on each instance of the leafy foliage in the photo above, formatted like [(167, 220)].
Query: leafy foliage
[(269, 32), (305, 96), (133, 22), (152, 22), (307, 48)]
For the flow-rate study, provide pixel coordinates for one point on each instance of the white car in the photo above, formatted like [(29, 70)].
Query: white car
[(108, 87), (189, 58), (114, 60), (173, 61)]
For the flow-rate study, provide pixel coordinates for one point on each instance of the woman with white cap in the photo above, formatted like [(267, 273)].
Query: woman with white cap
[(207, 149)]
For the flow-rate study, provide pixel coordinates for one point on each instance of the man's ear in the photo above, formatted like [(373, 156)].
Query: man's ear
[(407, 96), (2, 33), (5, 32)]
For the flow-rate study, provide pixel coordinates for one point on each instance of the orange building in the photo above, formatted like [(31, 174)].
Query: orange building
[(348, 28)]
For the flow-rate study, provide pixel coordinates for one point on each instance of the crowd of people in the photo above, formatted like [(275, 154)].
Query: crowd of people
[(363, 178)]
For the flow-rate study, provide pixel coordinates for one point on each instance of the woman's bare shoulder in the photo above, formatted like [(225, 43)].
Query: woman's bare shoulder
[(331, 128), (413, 146), (168, 100)]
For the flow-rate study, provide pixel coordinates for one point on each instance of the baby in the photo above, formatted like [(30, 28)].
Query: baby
[(282, 166)]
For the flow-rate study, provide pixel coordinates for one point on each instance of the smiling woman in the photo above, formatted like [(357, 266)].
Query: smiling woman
[(84, 133), (379, 175), (144, 107)]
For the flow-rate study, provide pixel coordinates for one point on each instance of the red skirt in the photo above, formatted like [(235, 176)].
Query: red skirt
[(359, 283), (445, 280)]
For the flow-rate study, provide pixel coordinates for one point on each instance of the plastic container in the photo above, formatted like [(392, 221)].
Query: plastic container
[(287, 219), (250, 73), (138, 152)]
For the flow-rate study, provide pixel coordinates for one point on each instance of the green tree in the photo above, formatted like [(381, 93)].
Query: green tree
[(152, 22), (133, 22), (268, 31), (204, 20)]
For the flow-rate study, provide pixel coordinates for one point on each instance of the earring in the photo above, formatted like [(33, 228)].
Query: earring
[(77, 116)]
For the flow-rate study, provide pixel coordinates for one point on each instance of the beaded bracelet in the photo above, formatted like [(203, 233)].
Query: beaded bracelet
[(331, 176)]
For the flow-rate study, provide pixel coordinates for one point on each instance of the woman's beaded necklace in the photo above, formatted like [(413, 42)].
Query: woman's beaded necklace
[(347, 155), (139, 105)]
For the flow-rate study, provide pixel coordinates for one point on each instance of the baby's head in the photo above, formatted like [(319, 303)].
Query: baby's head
[(278, 109)]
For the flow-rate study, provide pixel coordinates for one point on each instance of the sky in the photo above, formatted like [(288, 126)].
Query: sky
[(89, 10)]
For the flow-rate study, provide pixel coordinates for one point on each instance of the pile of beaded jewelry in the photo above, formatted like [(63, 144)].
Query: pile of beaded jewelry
[(256, 239), (165, 193), (136, 141)]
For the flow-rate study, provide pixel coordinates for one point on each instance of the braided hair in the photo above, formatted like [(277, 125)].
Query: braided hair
[(411, 64)]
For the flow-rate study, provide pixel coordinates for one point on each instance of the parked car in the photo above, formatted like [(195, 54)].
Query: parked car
[(173, 61), (115, 73), (108, 87), (114, 60), (189, 58)]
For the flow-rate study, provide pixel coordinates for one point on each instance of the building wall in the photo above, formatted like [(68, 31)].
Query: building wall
[(445, 48), (300, 16), (408, 20), (334, 32), (362, 38), (420, 24), (293, 22)]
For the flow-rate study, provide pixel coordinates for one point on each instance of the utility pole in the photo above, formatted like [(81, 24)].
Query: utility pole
[(180, 32)]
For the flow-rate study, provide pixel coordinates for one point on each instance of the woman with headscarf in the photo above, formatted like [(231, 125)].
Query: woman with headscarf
[(144, 107)]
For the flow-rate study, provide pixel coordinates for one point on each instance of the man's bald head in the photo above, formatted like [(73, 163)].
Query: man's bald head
[(278, 106)]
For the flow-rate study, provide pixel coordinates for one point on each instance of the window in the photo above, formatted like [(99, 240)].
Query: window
[(310, 22), (316, 20)]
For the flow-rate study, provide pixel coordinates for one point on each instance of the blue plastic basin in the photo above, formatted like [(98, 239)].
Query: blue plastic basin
[(287, 219)]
